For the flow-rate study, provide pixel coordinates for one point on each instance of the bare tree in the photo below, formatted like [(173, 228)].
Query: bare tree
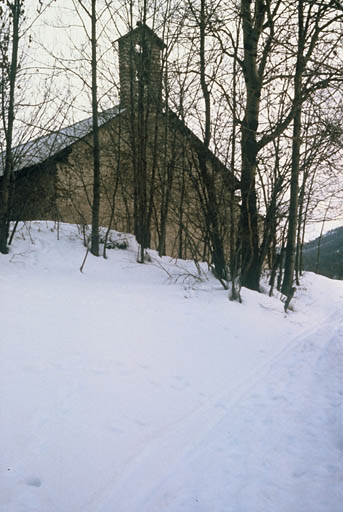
[(312, 22), (9, 43), (91, 12), (272, 54), (23, 104)]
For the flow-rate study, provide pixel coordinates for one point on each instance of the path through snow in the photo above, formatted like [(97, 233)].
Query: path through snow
[(276, 444)]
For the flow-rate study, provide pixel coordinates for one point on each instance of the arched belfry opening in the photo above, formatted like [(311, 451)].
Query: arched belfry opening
[(140, 67)]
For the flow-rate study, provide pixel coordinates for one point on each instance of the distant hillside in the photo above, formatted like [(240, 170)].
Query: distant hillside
[(330, 257)]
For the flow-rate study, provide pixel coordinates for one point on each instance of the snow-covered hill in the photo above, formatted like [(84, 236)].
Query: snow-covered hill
[(142, 388)]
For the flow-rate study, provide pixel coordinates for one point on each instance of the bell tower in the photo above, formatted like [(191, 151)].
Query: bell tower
[(140, 67)]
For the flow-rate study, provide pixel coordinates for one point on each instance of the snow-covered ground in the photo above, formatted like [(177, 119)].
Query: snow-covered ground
[(140, 388)]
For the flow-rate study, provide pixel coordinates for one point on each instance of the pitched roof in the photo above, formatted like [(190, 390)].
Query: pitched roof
[(198, 144), (37, 151)]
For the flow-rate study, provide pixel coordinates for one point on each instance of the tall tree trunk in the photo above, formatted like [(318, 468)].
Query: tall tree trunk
[(211, 207), (141, 162), (301, 264), (252, 29), (296, 145), (181, 208), (293, 207), (234, 250), (321, 236), (299, 228), (96, 146), (8, 170)]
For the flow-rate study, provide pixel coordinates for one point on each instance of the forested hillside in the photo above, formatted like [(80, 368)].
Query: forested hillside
[(325, 255)]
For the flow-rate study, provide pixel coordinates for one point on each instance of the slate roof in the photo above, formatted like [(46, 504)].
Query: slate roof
[(37, 151)]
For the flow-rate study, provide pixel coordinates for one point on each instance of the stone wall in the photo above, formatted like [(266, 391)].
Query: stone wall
[(177, 222), (35, 193)]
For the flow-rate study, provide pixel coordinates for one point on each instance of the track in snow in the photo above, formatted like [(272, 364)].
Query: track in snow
[(292, 406)]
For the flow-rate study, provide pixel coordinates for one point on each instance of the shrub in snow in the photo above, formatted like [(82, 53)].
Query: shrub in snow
[(117, 244), (121, 243)]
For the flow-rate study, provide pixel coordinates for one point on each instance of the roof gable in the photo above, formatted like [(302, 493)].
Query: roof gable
[(39, 150), (142, 28)]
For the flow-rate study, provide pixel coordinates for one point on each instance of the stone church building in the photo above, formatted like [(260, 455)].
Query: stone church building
[(149, 164)]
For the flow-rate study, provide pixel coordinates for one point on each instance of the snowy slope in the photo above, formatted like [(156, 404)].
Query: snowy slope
[(139, 388)]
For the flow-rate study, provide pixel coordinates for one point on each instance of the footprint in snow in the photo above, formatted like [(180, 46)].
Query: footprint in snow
[(179, 383), (33, 481), (116, 430), (279, 397)]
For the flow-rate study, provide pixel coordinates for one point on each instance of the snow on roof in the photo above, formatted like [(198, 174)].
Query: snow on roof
[(37, 151)]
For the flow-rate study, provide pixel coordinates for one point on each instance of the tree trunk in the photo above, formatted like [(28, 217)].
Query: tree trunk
[(8, 170), (252, 29), (234, 250), (210, 204), (293, 207), (296, 145), (299, 229), (320, 238), (96, 146)]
